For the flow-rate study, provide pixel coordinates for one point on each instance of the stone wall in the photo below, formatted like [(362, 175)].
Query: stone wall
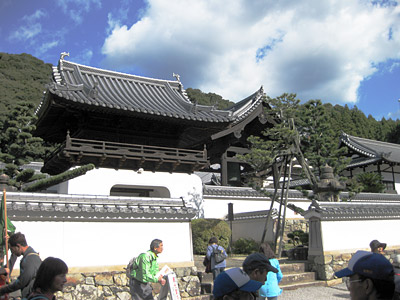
[(115, 285), (294, 224), (326, 265)]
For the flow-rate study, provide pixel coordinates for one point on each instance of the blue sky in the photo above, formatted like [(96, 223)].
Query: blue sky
[(342, 51)]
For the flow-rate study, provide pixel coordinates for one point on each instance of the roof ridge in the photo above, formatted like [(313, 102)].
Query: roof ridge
[(62, 60)]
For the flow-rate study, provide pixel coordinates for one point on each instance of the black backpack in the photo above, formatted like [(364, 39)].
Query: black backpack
[(130, 267), (219, 255)]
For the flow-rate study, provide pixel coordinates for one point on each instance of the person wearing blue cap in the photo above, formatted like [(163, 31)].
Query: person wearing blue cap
[(371, 276), (235, 284)]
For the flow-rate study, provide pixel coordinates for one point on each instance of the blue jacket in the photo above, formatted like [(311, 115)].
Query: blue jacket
[(210, 250), (271, 288)]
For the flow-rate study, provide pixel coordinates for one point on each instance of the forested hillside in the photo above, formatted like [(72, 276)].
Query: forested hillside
[(23, 77)]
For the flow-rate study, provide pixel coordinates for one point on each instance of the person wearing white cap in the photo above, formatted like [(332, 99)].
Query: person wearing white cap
[(371, 276)]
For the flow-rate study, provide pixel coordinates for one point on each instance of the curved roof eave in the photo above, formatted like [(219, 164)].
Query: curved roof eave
[(350, 142), (374, 149)]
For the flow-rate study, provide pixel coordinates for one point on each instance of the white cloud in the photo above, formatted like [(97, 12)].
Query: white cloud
[(317, 49), (44, 48), (31, 28), (35, 16), (26, 32), (75, 9)]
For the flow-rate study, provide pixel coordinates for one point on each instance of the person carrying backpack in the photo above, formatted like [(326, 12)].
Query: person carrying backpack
[(145, 272), (29, 264), (217, 255)]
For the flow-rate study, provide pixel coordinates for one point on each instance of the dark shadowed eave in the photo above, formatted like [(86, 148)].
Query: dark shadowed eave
[(245, 112)]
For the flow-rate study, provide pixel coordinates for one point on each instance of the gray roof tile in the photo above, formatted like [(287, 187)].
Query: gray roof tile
[(375, 150), (342, 211), (247, 192), (98, 88), (57, 207)]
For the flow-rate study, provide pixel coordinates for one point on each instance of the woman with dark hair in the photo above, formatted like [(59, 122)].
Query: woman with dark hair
[(271, 289), (50, 278)]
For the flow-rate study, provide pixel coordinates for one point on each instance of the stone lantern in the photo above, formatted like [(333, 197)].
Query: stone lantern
[(329, 187)]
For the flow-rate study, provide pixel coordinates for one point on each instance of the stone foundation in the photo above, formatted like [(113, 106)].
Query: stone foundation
[(295, 224), (292, 225), (115, 285), (326, 265)]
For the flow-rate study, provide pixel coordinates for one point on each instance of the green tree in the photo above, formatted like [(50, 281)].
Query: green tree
[(319, 142), (22, 78), (276, 141), (18, 146), (371, 182), (204, 229), (42, 184), (210, 99)]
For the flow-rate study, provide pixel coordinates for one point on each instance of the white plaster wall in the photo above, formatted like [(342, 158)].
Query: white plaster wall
[(252, 228), (397, 183), (218, 208), (100, 181), (356, 235), (84, 244)]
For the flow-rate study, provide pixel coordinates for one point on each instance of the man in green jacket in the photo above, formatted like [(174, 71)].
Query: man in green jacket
[(145, 273)]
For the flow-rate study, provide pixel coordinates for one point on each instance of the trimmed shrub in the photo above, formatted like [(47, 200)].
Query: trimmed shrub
[(245, 246), (298, 237), (204, 229)]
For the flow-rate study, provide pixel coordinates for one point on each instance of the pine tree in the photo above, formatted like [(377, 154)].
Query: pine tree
[(17, 144), (276, 141), (319, 142)]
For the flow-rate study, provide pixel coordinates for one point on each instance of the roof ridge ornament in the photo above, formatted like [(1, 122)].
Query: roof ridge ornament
[(63, 54), (177, 77)]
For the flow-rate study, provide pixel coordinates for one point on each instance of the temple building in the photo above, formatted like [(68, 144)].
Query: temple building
[(146, 140), (123, 121), (375, 157)]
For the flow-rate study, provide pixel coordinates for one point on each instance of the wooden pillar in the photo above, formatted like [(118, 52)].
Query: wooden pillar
[(393, 178), (224, 170)]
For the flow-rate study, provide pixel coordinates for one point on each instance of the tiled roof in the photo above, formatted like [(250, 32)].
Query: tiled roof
[(244, 108), (247, 192), (261, 214), (372, 197), (95, 88), (363, 161), (87, 208), (342, 211), (213, 191), (372, 149)]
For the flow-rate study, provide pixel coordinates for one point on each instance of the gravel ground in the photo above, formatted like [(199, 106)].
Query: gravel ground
[(334, 292)]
